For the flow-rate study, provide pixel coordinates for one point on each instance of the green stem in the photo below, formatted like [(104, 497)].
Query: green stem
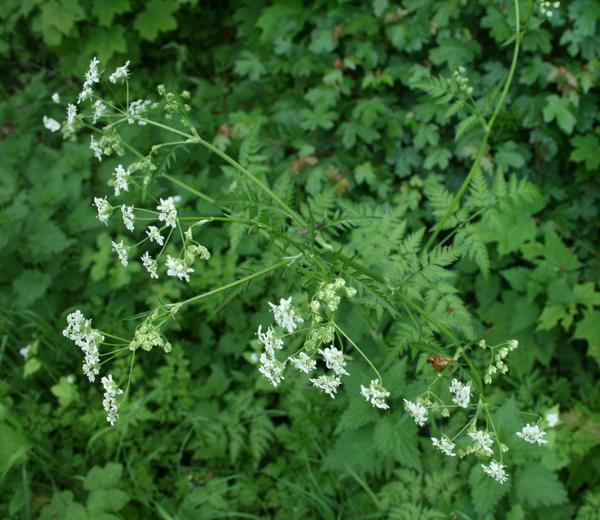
[(230, 285), (456, 200), (261, 185), (338, 328), (189, 188)]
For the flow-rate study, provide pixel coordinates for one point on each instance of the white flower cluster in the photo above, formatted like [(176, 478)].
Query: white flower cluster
[(79, 329), (178, 268), (270, 367), (136, 109), (121, 251), (91, 77), (154, 235), (334, 360), (111, 391), (303, 363), (150, 265), (460, 76), (417, 410), (96, 149), (120, 72), (51, 124), (461, 393), (498, 364), (547, 8), (167, 211), (285, 316), (533, 434), (445, 445), (71, 115), (99, 109), (128, 217), (121, 180), (496, 470), (327, 384), (482, 443), (104, 209), (375, 394)]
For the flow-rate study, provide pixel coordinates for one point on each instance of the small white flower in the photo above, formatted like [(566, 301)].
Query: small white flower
[(136, 109), (91, 77), (99, 109), (271, 369), (120, 72), (128, 216), (417, 410), (70, 379), (111, 391), (375, 394), (513, 344), (95, 148), (71, 115), (150, 264), (121, 251), (55, 98), (334, 359), (25, 351), (167, 211), (552, 417), (121, 180), (495, 470), (269, 340), (482, 442), (461, 393), (445, 445), (104, 209), (51, 124), (79, 329), (178, 268), (327, 384), (154, 235), (285, 315), (303, 363), (533, 434)]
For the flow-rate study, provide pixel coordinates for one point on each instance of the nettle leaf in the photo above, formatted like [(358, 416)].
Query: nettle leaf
[(354, 449), (103, 478), (536, 486), (30, 286), (485, 491), (396, 435), (559, 109), (586, 151), (47, 240), (157, 17)]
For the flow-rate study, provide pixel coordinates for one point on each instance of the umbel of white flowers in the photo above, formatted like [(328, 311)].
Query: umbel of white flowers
[(110, 404), (79, 329)]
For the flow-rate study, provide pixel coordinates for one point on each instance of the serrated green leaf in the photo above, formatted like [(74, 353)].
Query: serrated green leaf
[(395, 435), (536, 486), (157, 17), (485, 491)]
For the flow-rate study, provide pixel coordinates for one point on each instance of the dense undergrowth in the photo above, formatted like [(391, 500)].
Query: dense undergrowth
[(332, 104)]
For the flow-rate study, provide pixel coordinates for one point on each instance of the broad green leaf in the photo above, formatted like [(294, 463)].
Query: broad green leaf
[(536, 486), (157, 17), (559, 109)]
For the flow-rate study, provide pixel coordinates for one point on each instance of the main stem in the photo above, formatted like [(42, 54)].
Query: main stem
[(488, 127)]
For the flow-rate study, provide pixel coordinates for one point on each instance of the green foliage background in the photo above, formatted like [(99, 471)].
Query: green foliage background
[(325, 91)]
